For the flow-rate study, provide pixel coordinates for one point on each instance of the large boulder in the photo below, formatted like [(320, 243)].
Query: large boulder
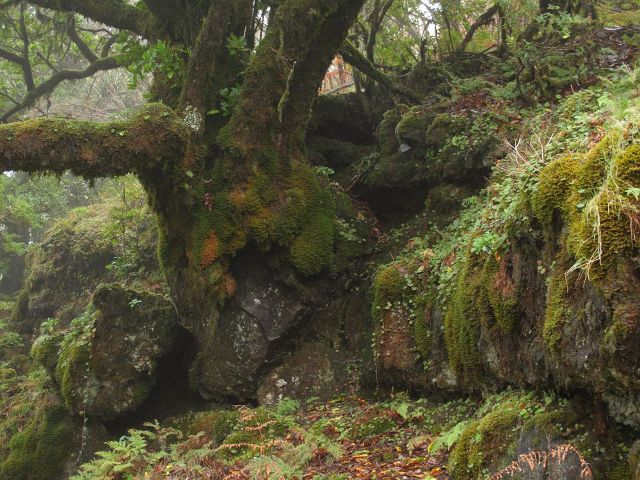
[(110, 361)]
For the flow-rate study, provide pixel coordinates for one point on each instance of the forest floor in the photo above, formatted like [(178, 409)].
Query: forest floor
[(376, 441)]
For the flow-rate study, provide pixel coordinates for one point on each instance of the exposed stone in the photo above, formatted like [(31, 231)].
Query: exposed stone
[(314, 370)]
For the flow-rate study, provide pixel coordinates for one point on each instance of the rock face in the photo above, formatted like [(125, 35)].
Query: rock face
[(110, 366), (530, 315)]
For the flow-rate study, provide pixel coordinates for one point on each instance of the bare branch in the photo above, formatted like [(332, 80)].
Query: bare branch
[(48, 86), (26, 66), (75, 38), (151, 139)]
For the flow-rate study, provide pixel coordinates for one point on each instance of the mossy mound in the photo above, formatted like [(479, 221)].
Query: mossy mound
[(76, 255), (294, 210), (594, 195), (529, 432), (40, 450)]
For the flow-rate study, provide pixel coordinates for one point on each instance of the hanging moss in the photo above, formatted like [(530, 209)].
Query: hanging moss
[(558, 311), (503, 294), (39, 451), (72, 368), (467, 309), (422, 334)]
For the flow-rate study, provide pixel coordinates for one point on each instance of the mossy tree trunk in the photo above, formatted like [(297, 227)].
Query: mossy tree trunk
[(216, 183)]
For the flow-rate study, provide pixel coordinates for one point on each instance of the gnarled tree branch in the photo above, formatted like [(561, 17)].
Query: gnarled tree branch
[(287, 71), (224, 18), (353, 56), (142, 144), (482, 20)]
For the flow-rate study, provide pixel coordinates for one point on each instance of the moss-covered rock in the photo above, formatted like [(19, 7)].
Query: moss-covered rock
[(110, 361)]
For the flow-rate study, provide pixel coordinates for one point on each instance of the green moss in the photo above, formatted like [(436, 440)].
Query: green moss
[(602, 232), (503, 295), (217, 425), (422, 335), (555, 182), (443, 127), (413, 125), (312, 251), (293, 211), (484, 441), (593, 169), (557, 313), (45, 351), (39, 451), (627, 166), (467, 309), (74, 362)]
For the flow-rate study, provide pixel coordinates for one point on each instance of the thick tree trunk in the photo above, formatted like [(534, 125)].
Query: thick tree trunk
[(215, 186)]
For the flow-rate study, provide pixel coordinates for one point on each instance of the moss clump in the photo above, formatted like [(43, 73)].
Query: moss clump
[(291, 210), (485, 440), (555, 182), (45, 351), (593, 169), (388, 288), (39, 451), (601, 233), (442, 127), (413, 125), (627, 166), (217, 425)]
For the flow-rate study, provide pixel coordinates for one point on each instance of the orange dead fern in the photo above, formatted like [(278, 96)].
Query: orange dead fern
[(534, 459)]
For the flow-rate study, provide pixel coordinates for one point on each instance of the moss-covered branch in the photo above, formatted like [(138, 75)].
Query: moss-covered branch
[(115, 13), (353, 56), (141, 144)]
